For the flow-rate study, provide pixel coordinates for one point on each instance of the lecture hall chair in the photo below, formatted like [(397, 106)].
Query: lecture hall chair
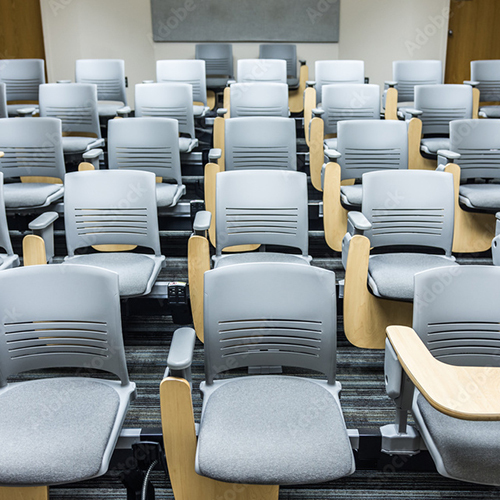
[(257, 431), (341, 102), (296, 80), (474, 161), (109, 76), (22, 78), (169, 100), (59, 429), (75, 104), (435, 107), (151, 145), (256, 143), (445, 370), (405, 226), (252, 208), (329, 73), (112, 211), (191, 72), (33, 162), (362, 146), (486, 76), (407, 74)]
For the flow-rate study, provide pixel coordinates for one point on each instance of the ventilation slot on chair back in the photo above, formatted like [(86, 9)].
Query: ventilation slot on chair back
[(460, 326), (349, 102), (335, 72), (190, 71), (110, 207), (32, 147), (149, 144), (478, 142), (487, 73), (408, 74), (440, 104), (261, 70), (268, 207), (260, 143), (367, 145), (107, 74), (409, 207), (167, 100), (297, 333), (42, 334), (74, 104), (22, 78)]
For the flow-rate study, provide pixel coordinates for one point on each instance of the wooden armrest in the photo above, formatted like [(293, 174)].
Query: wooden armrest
[(465, 392)]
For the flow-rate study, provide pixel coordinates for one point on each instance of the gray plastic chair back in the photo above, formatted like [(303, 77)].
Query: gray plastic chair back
[(55, 318), (3, 101), (333, 72), (75, 104), (440, 104), (259, 99), (107, 74), (150, 144), (407, 74), (22, 78), (167, 100), (190, 71), (263, 314), (353, 101), (5, 242), (409, 208), (262, 207), (368, 145), (32, 147), (478, 142), (260, 143), (487, 73), (261, 70), (218, 58), (456, 313), (111, 207), (286, 51)]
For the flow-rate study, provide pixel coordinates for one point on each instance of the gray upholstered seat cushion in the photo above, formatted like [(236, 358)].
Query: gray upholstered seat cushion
[(166, 194), (27, 194), (485, 196), (293, 83), (186, 144), (108, 109), (54, 430), (134, 270), (352, 195), (330, 143), (469, 449), (273, 430), (245, 257), (490, 111), (72, 145), (391, 275), (431, 145)]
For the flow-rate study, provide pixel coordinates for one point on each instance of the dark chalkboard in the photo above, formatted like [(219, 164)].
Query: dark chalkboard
[(245, 20)]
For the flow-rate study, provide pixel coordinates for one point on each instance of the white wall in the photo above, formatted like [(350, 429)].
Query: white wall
[(377, 31)]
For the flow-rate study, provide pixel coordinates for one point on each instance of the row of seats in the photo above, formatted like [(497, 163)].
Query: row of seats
[(23, 76), (242, 324), (244, 433)]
